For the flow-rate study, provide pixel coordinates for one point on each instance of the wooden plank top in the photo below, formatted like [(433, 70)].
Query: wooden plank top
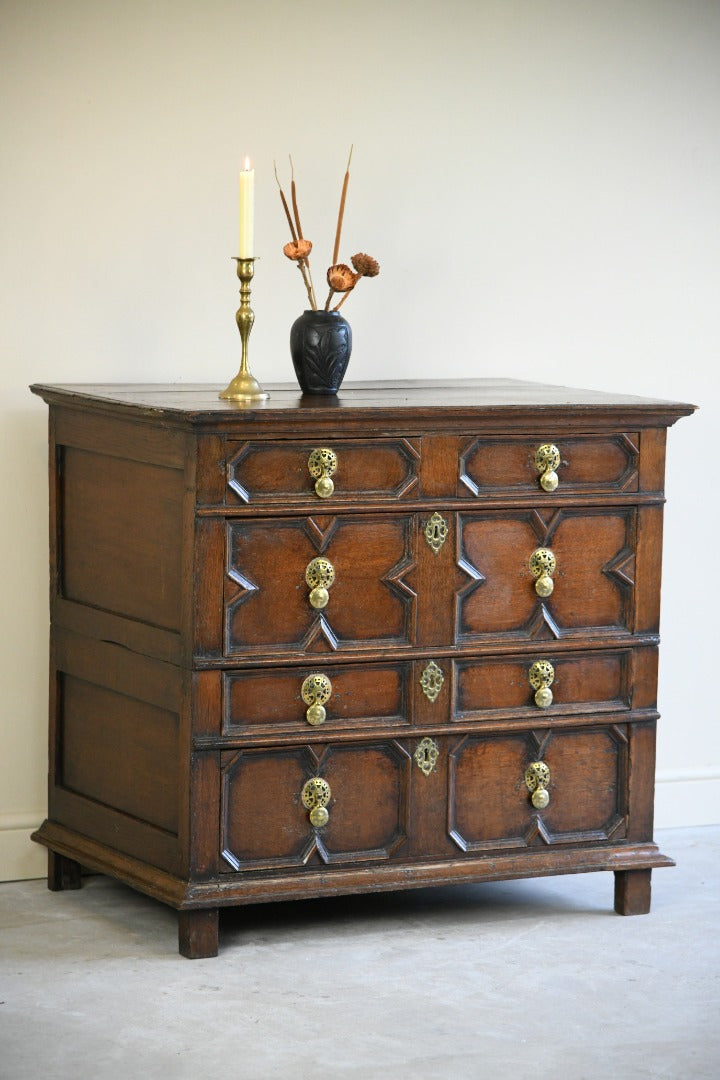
[(499, 404)]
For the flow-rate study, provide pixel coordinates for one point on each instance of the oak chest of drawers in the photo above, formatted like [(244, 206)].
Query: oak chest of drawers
[(403, 637)]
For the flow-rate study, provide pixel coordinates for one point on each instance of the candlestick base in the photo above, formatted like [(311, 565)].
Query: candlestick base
[(244, 387)]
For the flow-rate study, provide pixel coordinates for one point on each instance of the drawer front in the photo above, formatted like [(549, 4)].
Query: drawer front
[(273, 607), (281, 473), (542, 684), (320, 697), (268, 802), (491, 804), (585, 465), (592, 583)]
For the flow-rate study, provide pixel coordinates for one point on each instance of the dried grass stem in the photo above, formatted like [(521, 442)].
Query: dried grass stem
[(286, 208), (293, 195), (341, 211), (303, 264), (338, 306)]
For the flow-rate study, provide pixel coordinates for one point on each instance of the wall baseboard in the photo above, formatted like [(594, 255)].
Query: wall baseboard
[(20, 858), (683, 799), (687, 798)]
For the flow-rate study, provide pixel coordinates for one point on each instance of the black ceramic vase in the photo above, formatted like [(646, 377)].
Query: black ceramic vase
[(320, 346)]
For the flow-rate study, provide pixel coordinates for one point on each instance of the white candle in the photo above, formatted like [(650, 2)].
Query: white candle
[(247, 211)]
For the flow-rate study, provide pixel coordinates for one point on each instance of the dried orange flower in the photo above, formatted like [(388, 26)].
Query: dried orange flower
[(340, 278), (365, 265), (298, 249)]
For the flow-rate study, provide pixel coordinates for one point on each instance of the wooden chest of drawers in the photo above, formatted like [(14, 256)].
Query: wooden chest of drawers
[(403, 637)]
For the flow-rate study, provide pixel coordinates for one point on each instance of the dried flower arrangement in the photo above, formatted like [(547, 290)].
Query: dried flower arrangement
[(341, 278)]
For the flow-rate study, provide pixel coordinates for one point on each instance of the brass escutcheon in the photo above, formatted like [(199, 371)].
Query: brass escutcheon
[(426, 755), (547, 459), (315, 692), (432, 680), (542, 567), (540, 676), (537, 778), (436, 531), (315, 796), (319, 575), (322, 463)]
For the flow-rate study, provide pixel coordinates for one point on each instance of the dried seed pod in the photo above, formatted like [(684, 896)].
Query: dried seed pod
[(298, 249), (340, 278), (365, 265)]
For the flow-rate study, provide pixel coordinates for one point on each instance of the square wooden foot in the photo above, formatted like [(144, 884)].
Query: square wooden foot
[(198, 933), (63, 873), (632, 892)]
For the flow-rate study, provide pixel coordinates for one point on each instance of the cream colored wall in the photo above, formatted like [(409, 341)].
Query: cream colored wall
[(539, 179)]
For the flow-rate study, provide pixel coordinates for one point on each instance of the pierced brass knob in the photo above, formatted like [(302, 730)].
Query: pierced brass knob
[(541, 676), (542, 568), (537, 778), (322, 463), (315, 797), (319, 575), (547, 459), (315, 691)]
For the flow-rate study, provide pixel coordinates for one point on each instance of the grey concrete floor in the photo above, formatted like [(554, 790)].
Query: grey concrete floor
[(528, 978)]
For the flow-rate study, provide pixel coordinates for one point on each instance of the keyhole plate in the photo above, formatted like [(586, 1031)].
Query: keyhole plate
[(426, 755)]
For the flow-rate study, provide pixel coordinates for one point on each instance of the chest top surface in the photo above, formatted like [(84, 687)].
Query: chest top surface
[(499, 404)]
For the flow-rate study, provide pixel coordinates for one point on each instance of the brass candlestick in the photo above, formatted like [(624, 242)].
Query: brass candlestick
[(244, 387)]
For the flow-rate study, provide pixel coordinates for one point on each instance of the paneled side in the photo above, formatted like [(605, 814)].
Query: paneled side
[(120, 752), (117, 763), (119, 524)]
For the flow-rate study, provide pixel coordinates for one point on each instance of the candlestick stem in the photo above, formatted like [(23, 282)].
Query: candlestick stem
[(244, 387)]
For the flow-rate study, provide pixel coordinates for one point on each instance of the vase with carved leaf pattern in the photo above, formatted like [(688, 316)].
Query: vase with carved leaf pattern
[(320, 346)]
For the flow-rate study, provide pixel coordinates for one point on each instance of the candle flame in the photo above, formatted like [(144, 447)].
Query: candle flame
[(248, 165)]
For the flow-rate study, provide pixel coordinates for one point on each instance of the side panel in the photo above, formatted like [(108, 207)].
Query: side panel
[(117, 772)]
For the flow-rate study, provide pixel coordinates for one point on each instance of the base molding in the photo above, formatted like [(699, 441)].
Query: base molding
[(683, 799), (237, 889)]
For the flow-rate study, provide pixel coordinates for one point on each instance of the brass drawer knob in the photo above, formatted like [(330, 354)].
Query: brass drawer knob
[(319, 575), (542, 567), (547, 459), (322, 463), (537, 778), (315, 797), (541, 675), (315, 692)]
